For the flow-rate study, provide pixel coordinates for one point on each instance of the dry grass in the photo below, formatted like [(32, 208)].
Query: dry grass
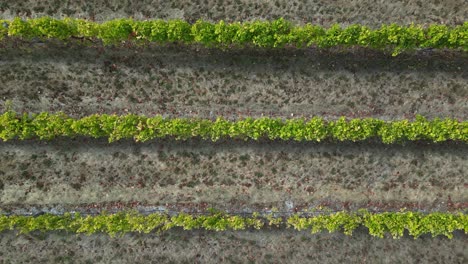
[(230, 175)]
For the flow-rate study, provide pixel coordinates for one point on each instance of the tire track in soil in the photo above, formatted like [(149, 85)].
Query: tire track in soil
[(232, 174)]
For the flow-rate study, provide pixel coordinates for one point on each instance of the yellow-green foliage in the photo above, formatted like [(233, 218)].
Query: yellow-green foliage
[(142, 128), (378, 224), (266, 34)]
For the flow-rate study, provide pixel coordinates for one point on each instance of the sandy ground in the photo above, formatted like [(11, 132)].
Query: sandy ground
[(230, 174), (266, 246), (324, 12), (178, 81)]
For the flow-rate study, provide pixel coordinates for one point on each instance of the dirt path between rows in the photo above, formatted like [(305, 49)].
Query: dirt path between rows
[(231, 174), (265, 246), (92, 175), (323, 12), (193, 81)]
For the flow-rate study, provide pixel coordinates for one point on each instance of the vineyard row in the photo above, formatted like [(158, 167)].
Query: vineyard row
[(141, 128), (269, 34), (378, 224)]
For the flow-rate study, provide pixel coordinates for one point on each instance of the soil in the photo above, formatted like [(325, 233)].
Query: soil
[(82, 78), (317, 207), (193, 81), (230, 174), (324, 12), (265, 246)]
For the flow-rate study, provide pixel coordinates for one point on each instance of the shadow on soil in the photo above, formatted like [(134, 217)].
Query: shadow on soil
[(264, 246), (452, 147), (354, 59)]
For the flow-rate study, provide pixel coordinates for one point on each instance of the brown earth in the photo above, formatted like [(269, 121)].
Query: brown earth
[(192, 81), (183, 81), (231, 174), (324, 12), (265, 246), (317, 207)]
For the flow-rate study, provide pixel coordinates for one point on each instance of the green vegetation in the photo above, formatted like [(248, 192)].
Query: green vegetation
[(265, 34), (378, 224), (141, 128)]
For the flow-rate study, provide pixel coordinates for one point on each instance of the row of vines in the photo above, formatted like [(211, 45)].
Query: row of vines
[(270, 34), (141, 128), (378, 224)]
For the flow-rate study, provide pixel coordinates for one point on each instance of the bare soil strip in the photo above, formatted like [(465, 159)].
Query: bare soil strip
[(323, 12), (232, 174), (91, 175), (182, 81), (265, 246), (317, 207)]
